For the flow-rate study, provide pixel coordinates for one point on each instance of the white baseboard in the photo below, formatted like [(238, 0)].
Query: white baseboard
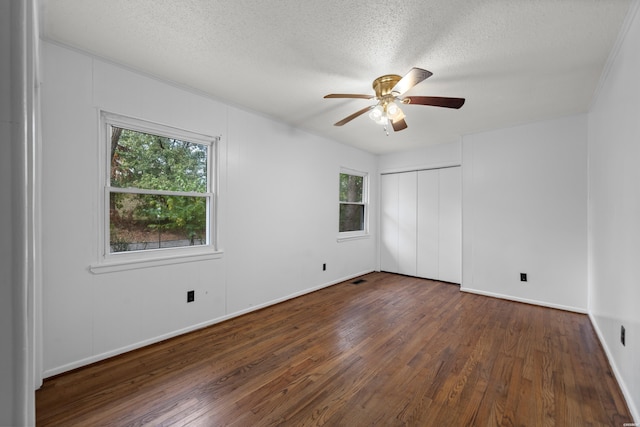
[(525, 300), (102, 356), (616, 372)]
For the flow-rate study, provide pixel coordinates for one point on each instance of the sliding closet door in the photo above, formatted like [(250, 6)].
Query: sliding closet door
[(450, 227), (407, 238), (389, 223), (428, 224), (421, 224)]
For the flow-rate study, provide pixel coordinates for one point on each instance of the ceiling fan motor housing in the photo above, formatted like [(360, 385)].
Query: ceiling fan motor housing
[(383, 85)]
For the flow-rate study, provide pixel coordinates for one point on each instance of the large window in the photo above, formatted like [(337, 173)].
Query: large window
[(353, 202), (158, 187)]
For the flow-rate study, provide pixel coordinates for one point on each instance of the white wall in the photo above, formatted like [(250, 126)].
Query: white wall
[(283, 204), (278, 215), (525, 211), (614, 211), (434, 156)]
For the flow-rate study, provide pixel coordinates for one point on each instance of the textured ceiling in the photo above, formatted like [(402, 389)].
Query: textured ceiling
[(513, 61)]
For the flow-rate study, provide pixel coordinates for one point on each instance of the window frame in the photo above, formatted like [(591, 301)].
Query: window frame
[(115, 261), (357, 234)]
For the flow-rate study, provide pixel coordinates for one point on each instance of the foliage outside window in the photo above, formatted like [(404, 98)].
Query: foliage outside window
[(158, 189), (353, 203)]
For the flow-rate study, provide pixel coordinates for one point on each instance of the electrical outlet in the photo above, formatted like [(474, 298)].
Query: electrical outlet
[(523, 277), (622, 335), (191, 296), (324, 267)]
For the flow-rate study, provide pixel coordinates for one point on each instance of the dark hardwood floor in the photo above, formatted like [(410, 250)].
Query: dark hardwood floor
[(393, 350)]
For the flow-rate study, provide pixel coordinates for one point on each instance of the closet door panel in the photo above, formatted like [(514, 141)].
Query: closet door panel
[(428, 224), (407, 188), (450, 230), (389, 223)]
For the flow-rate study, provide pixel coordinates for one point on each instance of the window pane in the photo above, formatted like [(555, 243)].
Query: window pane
[(351, 188), (150, 162), (145, 221), (351, 217)]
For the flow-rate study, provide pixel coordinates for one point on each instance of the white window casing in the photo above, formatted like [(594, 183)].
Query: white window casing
[(109, 260), (364, 203)]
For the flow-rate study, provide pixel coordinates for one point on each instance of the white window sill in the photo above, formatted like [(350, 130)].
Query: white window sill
[(346, 237), (130, 263)]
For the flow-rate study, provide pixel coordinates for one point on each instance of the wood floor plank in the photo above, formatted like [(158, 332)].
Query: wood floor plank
[(393, 350)]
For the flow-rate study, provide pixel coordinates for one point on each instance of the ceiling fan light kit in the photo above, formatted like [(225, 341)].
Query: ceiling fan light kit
[(389, 90)]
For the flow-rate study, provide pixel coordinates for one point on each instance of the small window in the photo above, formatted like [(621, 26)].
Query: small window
[(158, 191), (353, 202)]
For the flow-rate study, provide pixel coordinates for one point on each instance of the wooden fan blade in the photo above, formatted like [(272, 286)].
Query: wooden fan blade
[(349, 95), (412, 78), (436, 101), (354, 115), (399, 124)]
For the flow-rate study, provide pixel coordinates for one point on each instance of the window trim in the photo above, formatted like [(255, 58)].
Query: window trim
[(117, 261), (358, 234)]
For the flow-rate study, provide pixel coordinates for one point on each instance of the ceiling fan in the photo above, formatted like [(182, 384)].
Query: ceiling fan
[(389, 90)]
